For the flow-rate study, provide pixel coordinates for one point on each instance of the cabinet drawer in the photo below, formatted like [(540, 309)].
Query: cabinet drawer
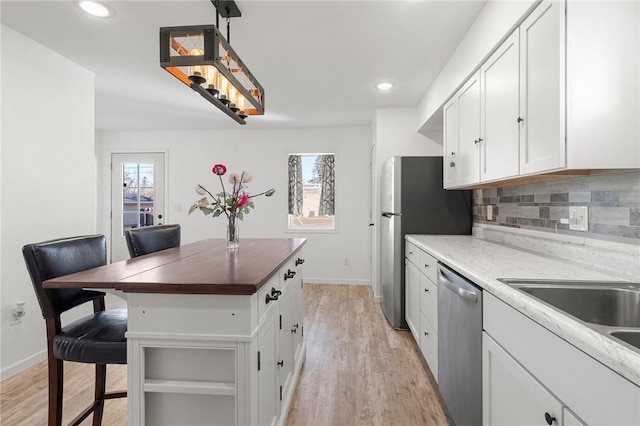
[(428, 266), (429, 301), (429, 345), (412, 253), (264, 305)]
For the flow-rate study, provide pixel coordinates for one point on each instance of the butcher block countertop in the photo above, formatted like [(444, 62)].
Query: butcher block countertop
[(203, 267)]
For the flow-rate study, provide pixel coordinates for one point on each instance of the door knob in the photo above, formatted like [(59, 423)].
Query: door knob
[(159, 216)]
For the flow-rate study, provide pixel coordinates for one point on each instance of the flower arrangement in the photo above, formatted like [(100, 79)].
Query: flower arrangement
[(234, 204)]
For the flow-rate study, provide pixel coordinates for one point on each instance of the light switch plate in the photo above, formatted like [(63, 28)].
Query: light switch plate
[(489, 212), (579, 218)]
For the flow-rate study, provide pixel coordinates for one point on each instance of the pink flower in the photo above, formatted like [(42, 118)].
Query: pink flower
[(243, 200), (234, 179), (219, 169), (246, 176)]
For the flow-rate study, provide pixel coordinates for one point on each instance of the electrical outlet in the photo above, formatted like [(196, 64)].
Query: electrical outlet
[(489, 212), (579, 218), (17, 312)]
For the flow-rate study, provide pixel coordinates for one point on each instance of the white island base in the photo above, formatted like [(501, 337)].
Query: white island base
[(210, 359)]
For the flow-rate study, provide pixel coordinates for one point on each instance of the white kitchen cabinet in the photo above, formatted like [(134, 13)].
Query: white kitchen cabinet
[(268, 394), (542, 100), (511, 396), (462, 159), (421, 303), (574, 113), (587, 389), (412, 299), (500, 88)]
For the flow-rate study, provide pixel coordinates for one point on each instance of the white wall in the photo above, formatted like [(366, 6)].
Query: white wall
[(264, 152), (48, 186), (496, 20), (395, 133)]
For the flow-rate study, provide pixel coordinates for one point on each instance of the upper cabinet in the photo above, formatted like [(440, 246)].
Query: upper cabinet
[(462, 135), (542, 135), (562, 92)]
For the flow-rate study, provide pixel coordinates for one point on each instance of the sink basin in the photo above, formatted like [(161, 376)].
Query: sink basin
[(608, 307), (615, 307), (631, 337)]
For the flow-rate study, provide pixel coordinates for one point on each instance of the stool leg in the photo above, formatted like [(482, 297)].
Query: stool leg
[(56, 376), (101, 379)]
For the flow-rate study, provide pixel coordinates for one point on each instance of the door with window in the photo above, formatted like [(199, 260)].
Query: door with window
[(137, 196)]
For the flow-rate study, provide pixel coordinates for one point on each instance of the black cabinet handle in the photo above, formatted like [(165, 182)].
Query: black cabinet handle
[(520, 120), (426, 290), (300, 261), (281, 363), (549, 418), (293, 330), (289, 274), (275, 294)]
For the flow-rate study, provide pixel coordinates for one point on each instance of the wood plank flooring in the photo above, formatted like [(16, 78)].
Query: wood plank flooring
[(359, 371)]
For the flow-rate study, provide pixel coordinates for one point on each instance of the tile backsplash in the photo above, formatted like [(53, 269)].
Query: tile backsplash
[(613, 200)]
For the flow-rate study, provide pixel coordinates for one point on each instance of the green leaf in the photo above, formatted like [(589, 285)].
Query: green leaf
[(203, 202), (193, 208), (217, 213), (206, 210)]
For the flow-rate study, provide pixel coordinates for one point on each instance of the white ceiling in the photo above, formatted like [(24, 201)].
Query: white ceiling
[(319, 61)]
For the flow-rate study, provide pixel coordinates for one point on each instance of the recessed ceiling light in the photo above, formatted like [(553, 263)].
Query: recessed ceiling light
[(384, 86), (94, 8)]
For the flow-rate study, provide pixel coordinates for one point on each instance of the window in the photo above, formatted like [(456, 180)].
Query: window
[(137, 195), (312, 192)]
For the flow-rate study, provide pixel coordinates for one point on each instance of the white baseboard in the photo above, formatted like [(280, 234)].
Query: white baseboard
[(20, 366), (335, 281)]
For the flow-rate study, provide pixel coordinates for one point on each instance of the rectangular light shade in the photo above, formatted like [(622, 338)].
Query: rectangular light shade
[(202, 59)]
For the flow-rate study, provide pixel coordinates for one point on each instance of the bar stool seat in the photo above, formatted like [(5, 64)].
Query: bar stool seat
[(96, 339)]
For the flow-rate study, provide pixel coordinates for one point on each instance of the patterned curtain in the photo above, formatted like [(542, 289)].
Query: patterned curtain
[(295, 184), (327, 185)]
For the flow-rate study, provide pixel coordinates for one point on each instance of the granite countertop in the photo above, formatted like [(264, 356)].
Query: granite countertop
[(483, 262)]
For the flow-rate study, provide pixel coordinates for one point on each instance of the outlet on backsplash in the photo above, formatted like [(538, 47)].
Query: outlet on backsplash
[(579, 218)]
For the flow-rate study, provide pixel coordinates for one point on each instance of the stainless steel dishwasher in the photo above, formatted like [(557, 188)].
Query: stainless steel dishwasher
[(460, 347)]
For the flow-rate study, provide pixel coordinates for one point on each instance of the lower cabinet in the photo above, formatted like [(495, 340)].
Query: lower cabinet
[(511, 395), (421, 303), (531, 376)]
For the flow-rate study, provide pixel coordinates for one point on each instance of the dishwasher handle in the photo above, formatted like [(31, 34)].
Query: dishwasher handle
[(471, 296)]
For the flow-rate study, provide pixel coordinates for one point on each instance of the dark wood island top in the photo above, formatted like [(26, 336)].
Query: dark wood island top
[(203, 267)]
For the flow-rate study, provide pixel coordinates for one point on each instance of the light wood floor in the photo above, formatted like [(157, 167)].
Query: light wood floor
[(359, 371)]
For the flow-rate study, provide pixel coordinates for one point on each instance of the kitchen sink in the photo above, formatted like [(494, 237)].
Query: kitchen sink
[(608, 307), (631, 337)]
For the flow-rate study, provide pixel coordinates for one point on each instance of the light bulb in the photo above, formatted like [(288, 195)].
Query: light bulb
[(197, 70)]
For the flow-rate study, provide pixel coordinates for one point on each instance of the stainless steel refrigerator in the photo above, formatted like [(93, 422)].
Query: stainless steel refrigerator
[(413, 201)]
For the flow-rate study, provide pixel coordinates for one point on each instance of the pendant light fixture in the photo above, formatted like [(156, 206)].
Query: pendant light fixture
[(203, 59)]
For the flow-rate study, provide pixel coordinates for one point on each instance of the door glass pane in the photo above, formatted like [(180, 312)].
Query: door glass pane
[(137, 195)]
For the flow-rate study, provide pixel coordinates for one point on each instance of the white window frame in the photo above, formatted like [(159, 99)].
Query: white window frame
[(313, 229)]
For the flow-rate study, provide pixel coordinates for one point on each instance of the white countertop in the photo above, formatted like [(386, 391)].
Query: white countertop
[(484, 262)]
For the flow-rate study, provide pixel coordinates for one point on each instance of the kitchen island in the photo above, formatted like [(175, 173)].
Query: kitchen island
[(215, 336), (532, 352)]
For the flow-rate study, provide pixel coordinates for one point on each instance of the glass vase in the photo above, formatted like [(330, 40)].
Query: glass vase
[(233, 235)]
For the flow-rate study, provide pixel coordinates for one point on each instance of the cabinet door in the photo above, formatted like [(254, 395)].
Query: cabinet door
[(510, 395), (500, 106), (285, 344), (542, 86), (468, 155), (297, 314), (268, 392), (450, 143), (412, 299)]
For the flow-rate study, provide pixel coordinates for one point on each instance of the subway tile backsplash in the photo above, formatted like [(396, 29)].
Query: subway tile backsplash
[(613, 200)]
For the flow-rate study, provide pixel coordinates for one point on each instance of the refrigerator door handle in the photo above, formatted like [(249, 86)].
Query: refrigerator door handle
[(389, 214)]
